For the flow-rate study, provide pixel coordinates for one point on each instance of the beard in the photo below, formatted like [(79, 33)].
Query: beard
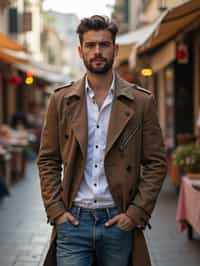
[(103, 68)]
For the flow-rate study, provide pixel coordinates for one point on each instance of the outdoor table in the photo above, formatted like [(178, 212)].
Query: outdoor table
[(15, 141), (18, 160), (188, 209)]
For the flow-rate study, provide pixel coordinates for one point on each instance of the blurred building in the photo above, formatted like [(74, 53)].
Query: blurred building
[(25, 77), (52, 43), (152, 9), (22, 22), (133, 14), (3, 15), (120, 15), (163, 54), (65, 25)]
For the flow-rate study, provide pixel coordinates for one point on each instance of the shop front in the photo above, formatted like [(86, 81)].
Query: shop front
[(173, 56)]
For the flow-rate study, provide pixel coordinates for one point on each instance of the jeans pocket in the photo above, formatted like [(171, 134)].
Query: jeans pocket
[(119, 228), (61, 225), (125, 231), (73, 212), (113, 212)]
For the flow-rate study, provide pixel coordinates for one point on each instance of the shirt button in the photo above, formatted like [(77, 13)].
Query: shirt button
[(97, 126), (95, 165), (95, 201), (97, 146), (95, 184)]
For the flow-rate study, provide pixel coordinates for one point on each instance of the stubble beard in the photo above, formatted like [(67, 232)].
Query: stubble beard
[(99, 69)]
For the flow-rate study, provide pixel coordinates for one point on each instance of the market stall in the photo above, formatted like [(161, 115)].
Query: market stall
[(13, 144)]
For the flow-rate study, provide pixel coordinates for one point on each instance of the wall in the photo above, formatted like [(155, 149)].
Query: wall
[(30, 39)]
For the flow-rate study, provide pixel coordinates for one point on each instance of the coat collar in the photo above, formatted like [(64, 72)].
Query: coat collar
[(122, 111), (77, 113), (76, 89), (120, 115), (122, 88)]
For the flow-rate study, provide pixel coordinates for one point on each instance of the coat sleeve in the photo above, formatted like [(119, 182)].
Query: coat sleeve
[(49, 164), (154, 167)]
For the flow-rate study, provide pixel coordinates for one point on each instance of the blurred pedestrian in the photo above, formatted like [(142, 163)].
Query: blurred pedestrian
[(105, 132), (19, 120)]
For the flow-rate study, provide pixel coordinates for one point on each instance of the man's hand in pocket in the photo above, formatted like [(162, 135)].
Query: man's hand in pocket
[(66, 217)]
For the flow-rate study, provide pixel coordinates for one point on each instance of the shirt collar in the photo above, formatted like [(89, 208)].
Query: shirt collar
[(90, 92)]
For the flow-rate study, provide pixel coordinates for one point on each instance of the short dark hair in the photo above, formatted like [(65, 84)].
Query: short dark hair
[(96, 23)]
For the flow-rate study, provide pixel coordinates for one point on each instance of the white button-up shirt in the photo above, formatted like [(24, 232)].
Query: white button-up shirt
[(94, 191)]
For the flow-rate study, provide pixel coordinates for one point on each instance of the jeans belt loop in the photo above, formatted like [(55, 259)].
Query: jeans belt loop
[(108, 213), (78, 212)]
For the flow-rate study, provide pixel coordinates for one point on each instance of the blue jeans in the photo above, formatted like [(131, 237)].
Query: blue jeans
[(91, 240)]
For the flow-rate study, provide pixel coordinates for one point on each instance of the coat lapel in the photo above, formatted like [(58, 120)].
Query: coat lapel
[(121, 111), (77, 112), (120, 115)]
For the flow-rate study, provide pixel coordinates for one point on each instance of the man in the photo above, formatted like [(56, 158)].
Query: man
[(105, 132)]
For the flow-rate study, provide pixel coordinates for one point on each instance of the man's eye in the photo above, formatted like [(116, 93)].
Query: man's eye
[(104, 44), (100, 44), (90, 45)]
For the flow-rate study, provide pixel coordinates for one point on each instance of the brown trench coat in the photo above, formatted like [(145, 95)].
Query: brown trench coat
[(135, 163)]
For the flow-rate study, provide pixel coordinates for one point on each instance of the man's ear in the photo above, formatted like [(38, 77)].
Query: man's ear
[(80, 51), (116, 49)]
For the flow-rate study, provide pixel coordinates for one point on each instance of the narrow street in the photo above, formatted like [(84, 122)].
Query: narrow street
[(91, 49), (25, 233)]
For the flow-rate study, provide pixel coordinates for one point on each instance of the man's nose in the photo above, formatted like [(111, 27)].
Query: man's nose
[(97, 49)]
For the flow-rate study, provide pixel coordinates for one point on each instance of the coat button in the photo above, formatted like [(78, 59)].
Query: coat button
[(127, 113), (66, 136)]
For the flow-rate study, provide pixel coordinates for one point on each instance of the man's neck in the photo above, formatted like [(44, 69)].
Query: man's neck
[(100, 82)]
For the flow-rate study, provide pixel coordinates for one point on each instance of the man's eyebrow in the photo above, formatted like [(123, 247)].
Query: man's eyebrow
[(90, 41), (98, 42)]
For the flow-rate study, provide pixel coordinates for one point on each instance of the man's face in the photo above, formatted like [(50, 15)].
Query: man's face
[(98, 51)]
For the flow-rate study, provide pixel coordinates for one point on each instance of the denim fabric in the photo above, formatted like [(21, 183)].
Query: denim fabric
[(91, 240)]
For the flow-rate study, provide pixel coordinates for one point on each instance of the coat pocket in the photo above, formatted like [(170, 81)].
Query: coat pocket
[(128, 138)]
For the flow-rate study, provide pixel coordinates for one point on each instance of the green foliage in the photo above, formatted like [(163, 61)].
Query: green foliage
[(187, 157)]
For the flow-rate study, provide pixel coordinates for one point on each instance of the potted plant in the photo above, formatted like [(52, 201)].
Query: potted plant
[(187, 158)]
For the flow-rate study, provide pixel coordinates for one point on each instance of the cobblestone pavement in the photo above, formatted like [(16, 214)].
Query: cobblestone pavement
[(24, 232)]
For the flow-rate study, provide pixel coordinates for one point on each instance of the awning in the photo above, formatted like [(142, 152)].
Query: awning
[(46, 72), (123, 53), (11, 51), (139, 36), (128, 42), (176, 20), (163, 57), (8, 43), (9, 58), (165, 29)]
